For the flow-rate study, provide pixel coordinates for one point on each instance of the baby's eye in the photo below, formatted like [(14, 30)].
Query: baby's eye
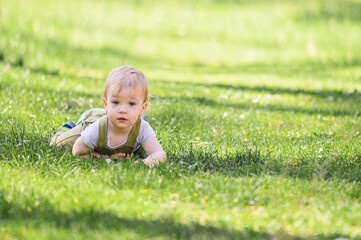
[(132, 104), (115, 102)]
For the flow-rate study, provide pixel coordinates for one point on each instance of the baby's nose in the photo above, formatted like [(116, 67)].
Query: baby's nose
[(122, 108)]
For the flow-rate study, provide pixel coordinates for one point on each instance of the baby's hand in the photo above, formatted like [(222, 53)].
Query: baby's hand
[(150, 162), (125, 156), (115, 156)]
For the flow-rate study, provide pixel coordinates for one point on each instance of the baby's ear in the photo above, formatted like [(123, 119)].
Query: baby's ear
[(144, 107), (105, 102)]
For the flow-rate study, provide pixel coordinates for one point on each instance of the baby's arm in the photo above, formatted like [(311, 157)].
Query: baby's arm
[(80, 148), (155, 151)]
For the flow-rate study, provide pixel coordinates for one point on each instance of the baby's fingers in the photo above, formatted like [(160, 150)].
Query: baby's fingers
[(127, 156), (97, 155), (150, 162), (118, 155)]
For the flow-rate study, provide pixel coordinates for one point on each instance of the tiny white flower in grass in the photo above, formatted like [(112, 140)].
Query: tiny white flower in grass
[(6, 109), (255, 100), (108, 160), (26, 72), (242, 116), (330, 98), (224, 96), (215, 132), (7, 66), (311, 49), (225, 114), (321, 149)]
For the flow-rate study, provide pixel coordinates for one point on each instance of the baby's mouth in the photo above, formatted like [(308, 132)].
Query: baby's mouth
[(122, 119)]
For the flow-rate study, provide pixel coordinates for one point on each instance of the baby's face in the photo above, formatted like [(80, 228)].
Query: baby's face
[(124, 106)]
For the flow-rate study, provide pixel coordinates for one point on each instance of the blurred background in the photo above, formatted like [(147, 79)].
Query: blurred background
[(91, 37), (257, 104), (206, 51)]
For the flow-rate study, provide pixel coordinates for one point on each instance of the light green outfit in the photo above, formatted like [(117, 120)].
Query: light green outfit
[(67, 138)]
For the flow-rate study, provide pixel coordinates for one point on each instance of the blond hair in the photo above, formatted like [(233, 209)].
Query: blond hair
[(127, 76)]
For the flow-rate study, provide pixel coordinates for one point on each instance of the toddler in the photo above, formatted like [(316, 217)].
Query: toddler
[(119, 129)]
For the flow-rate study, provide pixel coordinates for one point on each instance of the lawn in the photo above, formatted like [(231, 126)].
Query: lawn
[(256, 103)]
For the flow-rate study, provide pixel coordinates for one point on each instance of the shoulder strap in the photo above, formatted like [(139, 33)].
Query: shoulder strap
[(103, 132), (132, 137), (128, 147)]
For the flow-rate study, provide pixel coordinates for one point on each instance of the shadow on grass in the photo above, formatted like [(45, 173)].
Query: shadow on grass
[(91, 219), (344, 100), (96, 220), (268, 108), (322, 93), (330, 10), (277, 90), (22, 144), (307, 68), (55, 73), (54, 44), (247, 162)]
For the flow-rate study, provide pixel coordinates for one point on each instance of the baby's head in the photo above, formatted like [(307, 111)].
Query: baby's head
[(125, 77)]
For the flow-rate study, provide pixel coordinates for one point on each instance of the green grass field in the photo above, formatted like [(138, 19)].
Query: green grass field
[(256, 103)]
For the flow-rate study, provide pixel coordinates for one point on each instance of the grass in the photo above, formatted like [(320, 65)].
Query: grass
[(257, 104)]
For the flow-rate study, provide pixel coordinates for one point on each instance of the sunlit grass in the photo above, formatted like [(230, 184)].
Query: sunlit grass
[(257, 104)]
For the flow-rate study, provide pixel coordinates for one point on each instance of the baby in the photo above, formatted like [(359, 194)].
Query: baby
[(120, 129)]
